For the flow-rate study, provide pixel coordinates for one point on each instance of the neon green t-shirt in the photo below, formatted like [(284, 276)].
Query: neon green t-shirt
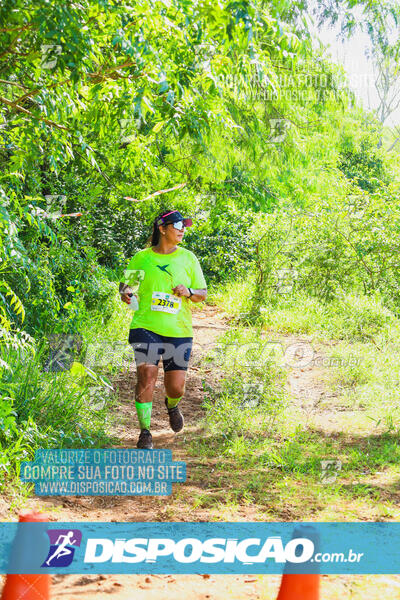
[(160, 310)]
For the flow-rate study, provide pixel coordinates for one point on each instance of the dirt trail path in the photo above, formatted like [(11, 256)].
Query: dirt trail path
[(309, 395), (208, 324)]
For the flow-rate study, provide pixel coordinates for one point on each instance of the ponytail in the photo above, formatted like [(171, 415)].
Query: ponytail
[(155, 236)]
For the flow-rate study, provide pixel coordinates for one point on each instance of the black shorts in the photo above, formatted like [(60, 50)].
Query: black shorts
[(149, 347)]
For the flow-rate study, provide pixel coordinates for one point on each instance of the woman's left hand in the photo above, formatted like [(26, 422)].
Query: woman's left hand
[(181, 290)]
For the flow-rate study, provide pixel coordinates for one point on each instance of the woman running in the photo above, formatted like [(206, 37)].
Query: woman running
[(170, 278)]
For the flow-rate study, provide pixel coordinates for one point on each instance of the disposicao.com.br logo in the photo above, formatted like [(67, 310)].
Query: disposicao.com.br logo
[(190, 550), (146, 547)]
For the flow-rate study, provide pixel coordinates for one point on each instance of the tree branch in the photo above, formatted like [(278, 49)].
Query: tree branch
[(18, 85), (37, 91), (30, 114), (6, 30)]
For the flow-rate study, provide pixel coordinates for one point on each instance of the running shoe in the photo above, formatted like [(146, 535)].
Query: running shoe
[(145, 440), (175, 417)]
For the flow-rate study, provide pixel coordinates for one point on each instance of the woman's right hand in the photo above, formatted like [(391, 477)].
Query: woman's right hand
[(127, 299)]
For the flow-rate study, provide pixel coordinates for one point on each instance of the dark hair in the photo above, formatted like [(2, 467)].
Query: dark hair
[(155, 236)]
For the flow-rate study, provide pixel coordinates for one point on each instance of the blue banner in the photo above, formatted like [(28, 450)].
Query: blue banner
[(111, 472), (215, 548)]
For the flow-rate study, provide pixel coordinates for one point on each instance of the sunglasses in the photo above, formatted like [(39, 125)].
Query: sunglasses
[(180, 224)]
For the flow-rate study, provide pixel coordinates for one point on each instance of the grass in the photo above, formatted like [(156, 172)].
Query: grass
[(47, 410), (270, 455), (283, 478), (259, 452), (349, 317), (41, 408), (372, 385)]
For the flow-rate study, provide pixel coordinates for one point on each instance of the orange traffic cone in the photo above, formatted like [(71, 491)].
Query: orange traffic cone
[(295, 584), (27, 587), (299, 587)]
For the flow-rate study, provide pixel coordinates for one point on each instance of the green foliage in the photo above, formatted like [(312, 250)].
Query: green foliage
[(249, 398), (42, 409), (60, 287), (364, 166), (331, 251), (222, 243), (102, 109)]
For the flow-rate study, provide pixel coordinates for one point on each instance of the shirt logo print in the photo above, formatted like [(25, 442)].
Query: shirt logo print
[(164, 269)]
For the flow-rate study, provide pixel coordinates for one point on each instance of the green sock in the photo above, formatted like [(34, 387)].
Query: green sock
[(172, 402), (143, 410)]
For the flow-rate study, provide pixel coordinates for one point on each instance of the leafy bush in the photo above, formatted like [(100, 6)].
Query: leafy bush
[(41, 409), (331, 251), (59, 286), (222, 243), (363, 165), (362, 318)]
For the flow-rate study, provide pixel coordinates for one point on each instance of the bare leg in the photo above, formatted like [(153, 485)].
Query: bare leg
[(146, 382), (174, 382)]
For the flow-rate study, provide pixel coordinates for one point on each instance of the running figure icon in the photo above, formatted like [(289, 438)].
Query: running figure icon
[(62, 542)]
